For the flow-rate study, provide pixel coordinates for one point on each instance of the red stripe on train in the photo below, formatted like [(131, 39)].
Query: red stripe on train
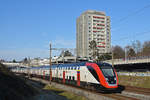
[(63, 76), (101, 76), (78, 78)]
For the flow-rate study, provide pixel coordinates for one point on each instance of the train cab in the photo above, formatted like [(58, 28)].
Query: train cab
[(110, 76)]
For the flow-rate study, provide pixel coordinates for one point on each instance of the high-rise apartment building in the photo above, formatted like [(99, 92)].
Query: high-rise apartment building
[(92, 25)]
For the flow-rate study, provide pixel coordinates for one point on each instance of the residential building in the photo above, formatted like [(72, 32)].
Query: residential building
[(92, 25)]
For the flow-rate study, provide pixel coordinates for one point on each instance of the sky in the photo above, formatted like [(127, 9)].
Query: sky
[(28, 26)]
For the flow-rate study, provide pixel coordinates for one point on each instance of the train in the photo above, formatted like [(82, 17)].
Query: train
[(82, 74)]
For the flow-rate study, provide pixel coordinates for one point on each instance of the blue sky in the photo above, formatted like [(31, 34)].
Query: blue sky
[(28, 26)]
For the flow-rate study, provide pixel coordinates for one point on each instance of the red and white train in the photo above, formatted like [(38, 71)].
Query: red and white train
[(97, 75)]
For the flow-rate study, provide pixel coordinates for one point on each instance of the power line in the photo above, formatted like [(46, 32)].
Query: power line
[(129, 15), (134, 13), (134, 35)]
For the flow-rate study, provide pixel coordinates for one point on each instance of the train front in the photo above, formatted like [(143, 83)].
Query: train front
[(108, 77)]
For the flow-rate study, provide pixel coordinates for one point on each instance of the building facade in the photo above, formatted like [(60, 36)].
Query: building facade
[(92, 25)]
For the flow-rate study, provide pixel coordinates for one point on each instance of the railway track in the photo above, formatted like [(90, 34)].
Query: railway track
[(139, 90), (124, 93), (130, 93)]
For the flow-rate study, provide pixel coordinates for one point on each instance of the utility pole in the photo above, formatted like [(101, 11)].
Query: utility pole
[(112, 52), (50, 63), (63, 56), (28, 67), (125, 54)]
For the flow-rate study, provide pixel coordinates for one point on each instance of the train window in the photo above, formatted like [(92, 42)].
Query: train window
[(93, 72), (69, 77), (78, 68), (73, 78), (108, 72), (71, 68), (68, 68)]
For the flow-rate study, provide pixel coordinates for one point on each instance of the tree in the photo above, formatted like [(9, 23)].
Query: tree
[(14, 61), (131, 52), (146, 48), (66, 53), (25, 60), (103, 57), (118, 52), (137, 46), (93, 49)]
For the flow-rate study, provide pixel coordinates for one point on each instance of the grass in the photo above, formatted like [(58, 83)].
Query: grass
[(4, 70), (13, 87), (138, 81), (68, 95)]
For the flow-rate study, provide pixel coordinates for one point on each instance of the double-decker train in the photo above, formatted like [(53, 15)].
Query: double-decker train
[(84, 74)]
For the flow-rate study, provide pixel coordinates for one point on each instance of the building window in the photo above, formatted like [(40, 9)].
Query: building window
[(94, 23), (102, 21)]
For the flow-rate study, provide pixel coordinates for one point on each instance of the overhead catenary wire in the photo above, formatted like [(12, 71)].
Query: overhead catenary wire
[(133, 36), (132, 14), (129, 15)]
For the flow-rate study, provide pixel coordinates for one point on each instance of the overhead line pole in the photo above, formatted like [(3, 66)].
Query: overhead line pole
[(112, 57), (50, 63)]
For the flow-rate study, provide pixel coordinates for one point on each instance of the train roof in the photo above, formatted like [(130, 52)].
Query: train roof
[(70, 65), (61, 65)]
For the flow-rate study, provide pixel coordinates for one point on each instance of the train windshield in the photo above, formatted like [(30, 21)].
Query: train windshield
[(107, 69), (108, 72)]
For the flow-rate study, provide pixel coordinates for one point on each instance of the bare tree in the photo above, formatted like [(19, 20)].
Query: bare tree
[(146, 48), (118, 52), (137, 46), (131, 52)]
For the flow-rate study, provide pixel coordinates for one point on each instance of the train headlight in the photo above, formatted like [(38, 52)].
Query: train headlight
[(114, 78)]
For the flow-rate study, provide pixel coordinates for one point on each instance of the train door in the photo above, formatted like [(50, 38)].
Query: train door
[(78, 78), (57, 74), (63, 76), (44, 74)]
